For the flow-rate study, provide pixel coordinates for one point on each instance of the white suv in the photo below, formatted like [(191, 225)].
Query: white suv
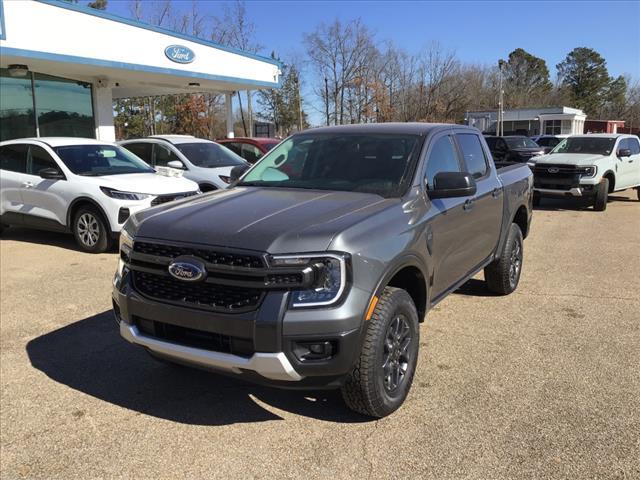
[(592, 165), (205, 162), (79, 185)]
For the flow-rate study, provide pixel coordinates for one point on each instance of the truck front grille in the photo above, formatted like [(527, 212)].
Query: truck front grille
[(560, 177), (211, 256), (223, 298)]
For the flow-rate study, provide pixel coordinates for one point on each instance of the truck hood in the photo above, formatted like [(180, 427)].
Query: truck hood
[(570, 159), (529, 151), (274, 220), (151, 183)]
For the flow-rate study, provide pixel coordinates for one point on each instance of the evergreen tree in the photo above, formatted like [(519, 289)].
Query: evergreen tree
[(526, 79)]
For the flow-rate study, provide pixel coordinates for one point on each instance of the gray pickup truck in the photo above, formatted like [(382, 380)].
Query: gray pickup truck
[(315, 269)]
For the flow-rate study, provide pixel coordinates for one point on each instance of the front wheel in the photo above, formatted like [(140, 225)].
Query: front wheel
[(602, 196), (381, 379), (638, 193), (503, 274), (91, 231)]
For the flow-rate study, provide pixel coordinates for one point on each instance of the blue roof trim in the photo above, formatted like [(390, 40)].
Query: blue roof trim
[(3, 33), (153, 28), (134, 66)]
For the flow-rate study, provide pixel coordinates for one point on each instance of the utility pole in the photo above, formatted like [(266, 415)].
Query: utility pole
[(500, 126), (326, 97)]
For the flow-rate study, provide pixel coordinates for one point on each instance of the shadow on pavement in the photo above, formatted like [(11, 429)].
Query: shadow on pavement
[(40, 237), (475, 288), (90, 356)]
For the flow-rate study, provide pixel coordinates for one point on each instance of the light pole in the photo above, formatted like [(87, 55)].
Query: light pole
[(500, 126)]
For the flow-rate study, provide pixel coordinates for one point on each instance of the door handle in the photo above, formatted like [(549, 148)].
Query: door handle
[(496, 193), (468, 205), (27, 184)]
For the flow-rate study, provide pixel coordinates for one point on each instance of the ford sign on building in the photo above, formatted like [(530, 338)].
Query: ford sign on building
[(62, 65), (179, 54)]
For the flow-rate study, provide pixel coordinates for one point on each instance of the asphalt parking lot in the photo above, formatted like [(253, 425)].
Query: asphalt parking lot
[(544, 383)]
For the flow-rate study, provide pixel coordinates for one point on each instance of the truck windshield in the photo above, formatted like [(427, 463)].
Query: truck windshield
[(520, 142), (381, 164), (209, 155), (98, 160), (591, 145)]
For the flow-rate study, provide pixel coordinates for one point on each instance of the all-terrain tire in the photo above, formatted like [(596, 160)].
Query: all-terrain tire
[(602, 196), (503, 274), (91, 230), (369, 389)]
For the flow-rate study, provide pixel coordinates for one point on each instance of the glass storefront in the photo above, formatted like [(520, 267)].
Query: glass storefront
[(61, 107)]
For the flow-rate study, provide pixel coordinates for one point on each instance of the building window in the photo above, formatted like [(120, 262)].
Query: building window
[(552, 127), (61, 107), (16, 107)]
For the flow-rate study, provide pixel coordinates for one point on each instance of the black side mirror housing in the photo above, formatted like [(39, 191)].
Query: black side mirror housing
[(452, 184), (51, 174), (238, 171), (624, 152)]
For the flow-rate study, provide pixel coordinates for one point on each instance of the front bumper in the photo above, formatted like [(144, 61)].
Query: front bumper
[(581, 191), (273, 331)]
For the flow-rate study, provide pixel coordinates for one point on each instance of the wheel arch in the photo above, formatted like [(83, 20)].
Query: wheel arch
[(81, 201), (521, 219), (611, 176), (410, 274)]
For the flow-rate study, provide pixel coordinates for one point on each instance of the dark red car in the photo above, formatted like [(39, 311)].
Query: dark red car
[(249, 148)]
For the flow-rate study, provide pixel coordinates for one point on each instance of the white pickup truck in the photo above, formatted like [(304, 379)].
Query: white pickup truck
[(592, 165)]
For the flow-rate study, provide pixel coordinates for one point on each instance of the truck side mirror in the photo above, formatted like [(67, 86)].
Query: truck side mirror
[(238, 171), (624, 152), (452, 184)]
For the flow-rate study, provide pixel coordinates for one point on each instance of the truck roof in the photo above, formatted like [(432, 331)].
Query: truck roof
[(414, 128)]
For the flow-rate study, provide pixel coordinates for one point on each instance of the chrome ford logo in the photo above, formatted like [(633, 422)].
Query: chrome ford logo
[(188, 270), (553, 170), (179, 54)]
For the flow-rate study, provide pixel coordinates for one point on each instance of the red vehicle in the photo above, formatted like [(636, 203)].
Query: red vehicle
[(249, 148)]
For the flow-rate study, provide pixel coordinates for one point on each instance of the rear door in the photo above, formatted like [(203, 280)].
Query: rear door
[(45, 201), (447, 229), (485, 212), (13, 174)]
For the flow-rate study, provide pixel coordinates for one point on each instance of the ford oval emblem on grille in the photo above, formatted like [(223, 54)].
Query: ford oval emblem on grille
[(553, 170), (188, 269)]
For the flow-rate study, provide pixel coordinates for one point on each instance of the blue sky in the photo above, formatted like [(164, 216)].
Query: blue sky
[(478, 31)]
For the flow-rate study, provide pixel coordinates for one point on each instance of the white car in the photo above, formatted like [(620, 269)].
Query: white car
[(79, 185), (205, 162), (592, 165)]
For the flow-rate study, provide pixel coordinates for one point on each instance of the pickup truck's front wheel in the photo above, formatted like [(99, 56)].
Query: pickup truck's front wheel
[(382, 376), (503, 274), (602, 196)]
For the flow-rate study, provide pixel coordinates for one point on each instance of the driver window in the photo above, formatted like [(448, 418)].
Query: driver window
[(164, 155), (442, 158), (40, 160)]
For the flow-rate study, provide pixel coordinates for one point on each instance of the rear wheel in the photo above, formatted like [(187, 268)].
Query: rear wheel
[(503, 274), (381, 379), (602, 195), (90, 230)]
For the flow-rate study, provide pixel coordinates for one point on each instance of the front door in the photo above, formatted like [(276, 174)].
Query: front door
[(447, 228), (628, 167), (45, 200)]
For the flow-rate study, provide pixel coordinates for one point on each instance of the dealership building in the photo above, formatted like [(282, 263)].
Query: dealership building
[(62, 65), (531, 121)]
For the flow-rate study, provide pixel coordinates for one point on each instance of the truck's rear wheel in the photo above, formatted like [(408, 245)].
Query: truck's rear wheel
[(382, 376), (503, 274), (602, 195)]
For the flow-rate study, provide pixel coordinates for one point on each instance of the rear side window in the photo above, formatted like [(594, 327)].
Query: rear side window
[(13, 158), (234, 147), (250, 153), (442, 158), (473, 154), (40, 159), (140, 150)]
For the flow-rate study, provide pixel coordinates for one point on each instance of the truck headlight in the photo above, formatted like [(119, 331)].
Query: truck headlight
[(329, 277), (120, 195), (124, 250), (588, 171)]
